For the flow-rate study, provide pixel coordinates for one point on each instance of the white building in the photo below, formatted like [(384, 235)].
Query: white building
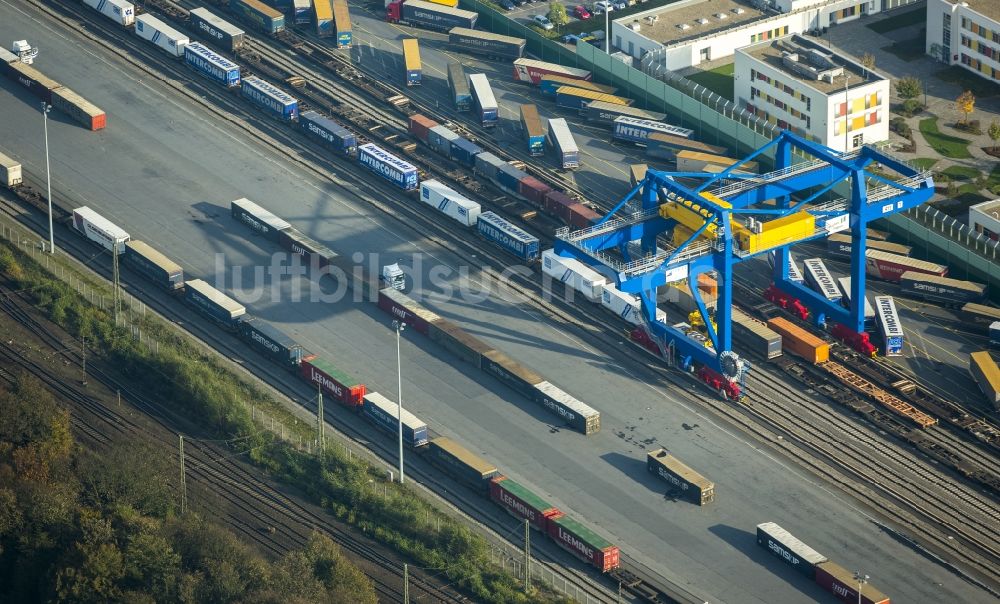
[(967, 34), (690, 32), (984, 218), (801, 86)]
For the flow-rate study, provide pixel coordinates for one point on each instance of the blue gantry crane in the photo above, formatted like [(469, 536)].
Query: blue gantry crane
[(665, 231)]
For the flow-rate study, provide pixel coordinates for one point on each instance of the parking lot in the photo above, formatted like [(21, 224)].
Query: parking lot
[(525, 13), (590, 19)]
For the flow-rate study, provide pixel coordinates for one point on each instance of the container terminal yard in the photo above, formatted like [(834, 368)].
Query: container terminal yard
[(709, 478)]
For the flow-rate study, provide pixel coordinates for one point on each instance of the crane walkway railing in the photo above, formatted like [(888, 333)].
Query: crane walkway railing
[(877, 194), (607, 227)]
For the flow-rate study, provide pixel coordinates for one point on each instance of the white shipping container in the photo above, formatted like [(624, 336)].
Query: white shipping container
[(820, 279), (99, 229), (121, 11), (575, 274), (450, 202), (626, 306), (889, 325), (169, 39), (482, 91), (845, 288), (10, 171)]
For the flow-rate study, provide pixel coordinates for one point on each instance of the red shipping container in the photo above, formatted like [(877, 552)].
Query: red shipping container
[(838, 581), (532, 71), (522, 503), (533, 189), (890, 267), (584, 543), (420, 126), (406, 309), (342, 387), (558, 203), (79, 108), (581, 217)]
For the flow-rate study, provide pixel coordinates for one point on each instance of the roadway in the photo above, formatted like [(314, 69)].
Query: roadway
[(166, 170)]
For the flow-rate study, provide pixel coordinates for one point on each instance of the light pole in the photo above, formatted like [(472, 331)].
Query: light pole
[(607, 29), (48, 175), (399, 326), (847, 112), (861, 579)]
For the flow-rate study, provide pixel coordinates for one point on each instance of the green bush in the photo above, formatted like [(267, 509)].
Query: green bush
[(912, 107)]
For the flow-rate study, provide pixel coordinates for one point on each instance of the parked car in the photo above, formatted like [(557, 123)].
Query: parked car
[(603, 5), (543, 22), (580, 12), (507, 4), (620, 4), (571, 39)]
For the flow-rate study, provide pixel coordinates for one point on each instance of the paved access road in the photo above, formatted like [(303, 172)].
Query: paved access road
[(166, 172)]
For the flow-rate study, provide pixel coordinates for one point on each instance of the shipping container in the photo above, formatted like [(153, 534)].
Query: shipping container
[(695, 161), (531, 125), (509, 178), (839, 246), (388, 166), (635, 130), (459, 85), (79, 108), (841, 583), (584, 543), (301, 12), (270, 341), (571, 97), (154, 266), (568, 209), (344, 389), (800, 342), (574, 274), (406, 309), (257, 218), (457, 341), (844, 285), (486, 103), (819, 278), (323, 18), (521, 503), (626, 306), (35, 81), (461, 463), (213, 303), (465, 151), (449, 202), (986, 373), (211, 64), (793, 269), (665, 146), (754, 335), (548, 85), (270, 97), (533, 189), (342, 23), (223, 34), (162, 35), (889, 326), (485, 43), (784, 545), (10, 172), (604, 114), (385, 414), (120, 11), (440, 138), (994, 335), (413, 68), (7, 57), (99, 229), (949, 292), (513, 374), (449, 3), (333, 135), (510, 237), (581, 216), (531, 71), (313, 253), (979, 314), (420, 126), (263, 16), (636, 174), (680, 295), (693, 486), (890, 267), (574, 412), (564, 145), (488, 164), (429, 15)]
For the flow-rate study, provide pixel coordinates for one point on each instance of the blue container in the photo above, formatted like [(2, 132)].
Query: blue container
[(212, 64), (330, 132), (213, 303), (263, 16), (510, 177), (440, 139), (382, 412), (464, 151), (508, 236), (549, 87), (402, 174), (270, 341), (270, 97), (154, 265), (571, 101), (309, 249)]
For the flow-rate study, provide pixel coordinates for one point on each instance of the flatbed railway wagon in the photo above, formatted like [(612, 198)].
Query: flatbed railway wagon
[(220, 32), (429, 15), (693, 486), (666, 146), (942, 290), (384, 413), (985, 371), (486, 43), (531, 71), (605, 114), (461, 463), (756, 336), (890, 267), (323, 18), (564, 145), (459, 84), (531, 124), (99, 229), (785, 546), (214, 304), (266, 19), (838, 245), (549, 84), (411, 62), (342, 23), (153, 265), (980, 314)]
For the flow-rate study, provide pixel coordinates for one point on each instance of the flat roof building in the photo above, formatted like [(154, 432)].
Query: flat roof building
[(966, 33), (984, 218)]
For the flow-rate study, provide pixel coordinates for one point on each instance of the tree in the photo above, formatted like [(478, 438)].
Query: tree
[(966, 103), (868, 60), (557, 14), (994, 133), (909, 87)]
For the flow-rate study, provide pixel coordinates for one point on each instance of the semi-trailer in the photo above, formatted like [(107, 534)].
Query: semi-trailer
[(429, 15), (692, 485), (486, 43), (563, 143), (531, 124), (342, 23), (532, 71), (411, 62), (486, 103), (459, 84)]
